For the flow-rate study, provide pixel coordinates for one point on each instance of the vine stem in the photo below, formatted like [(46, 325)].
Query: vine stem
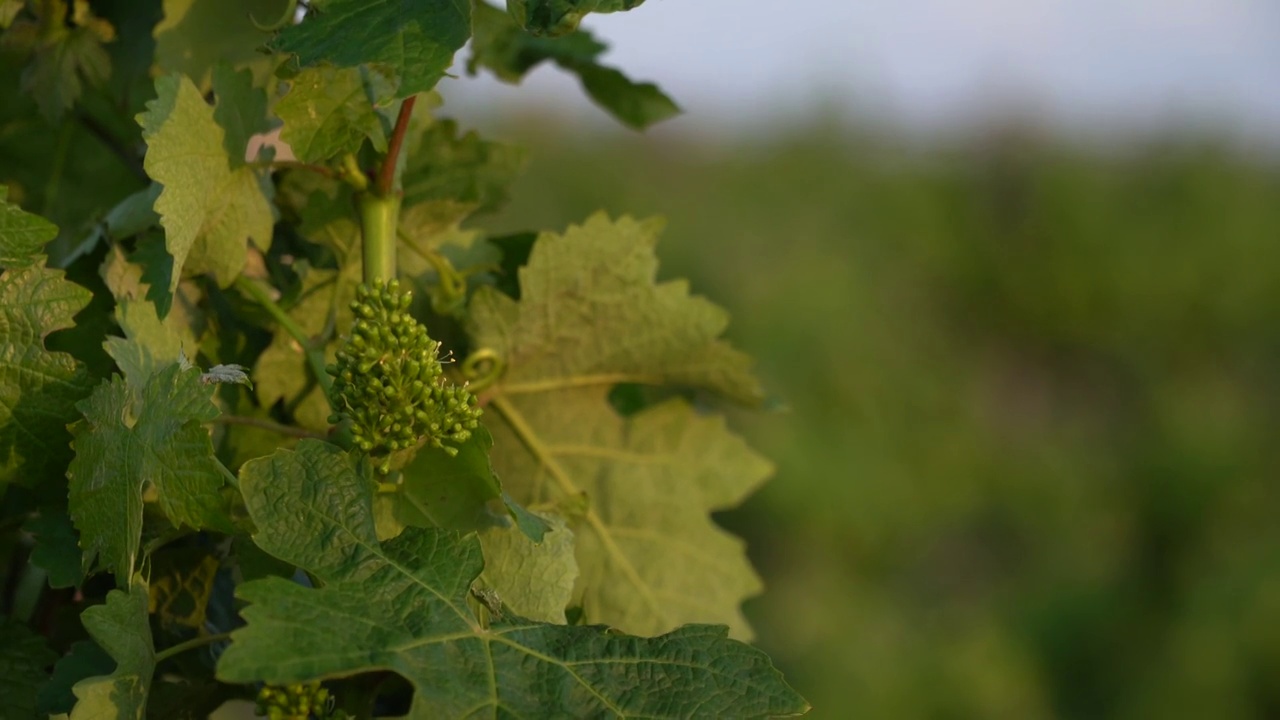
[(315, 357), (191, 644), (380, 209), (387, 174), (378, 218)]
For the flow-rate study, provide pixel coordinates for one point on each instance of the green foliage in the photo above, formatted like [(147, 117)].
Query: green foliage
[(556, 17), (416, 41), (501, 46), (154, 442), (64, 44), (38, 388), (420, 494), (120, 627), (330, 111), (403, 604), (210, 211), (85, 659), (22, 235), (22, 667)]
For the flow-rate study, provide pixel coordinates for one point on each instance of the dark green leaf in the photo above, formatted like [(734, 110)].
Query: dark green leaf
[(637, 105), (456, 492), (57, 547), (255, 564), (509, 52), (157, 272), (515, 250), (24, 658), (241, 110), (403, 606), (557, 17), (123, 445), (416, 40), (65, 57), (85, 660), (196, 35)]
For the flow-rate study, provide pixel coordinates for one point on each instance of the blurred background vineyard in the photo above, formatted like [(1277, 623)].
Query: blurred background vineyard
[(1027, 462)]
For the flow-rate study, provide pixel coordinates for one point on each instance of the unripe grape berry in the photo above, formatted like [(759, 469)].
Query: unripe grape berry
[(389, 383)]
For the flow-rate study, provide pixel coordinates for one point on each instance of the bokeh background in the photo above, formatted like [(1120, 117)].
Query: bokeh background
[(1012, 268)]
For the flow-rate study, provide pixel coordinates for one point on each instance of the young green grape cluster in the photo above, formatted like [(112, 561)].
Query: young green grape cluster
[(300, 701), (389, 383)]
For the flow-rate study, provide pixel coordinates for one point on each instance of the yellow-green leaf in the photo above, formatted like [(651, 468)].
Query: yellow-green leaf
[(210, 213), (590, 316)]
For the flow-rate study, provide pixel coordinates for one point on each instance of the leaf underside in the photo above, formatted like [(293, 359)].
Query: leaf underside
[(591, 316)]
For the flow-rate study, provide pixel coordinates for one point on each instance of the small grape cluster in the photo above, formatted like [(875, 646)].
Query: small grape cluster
[(389, 383), (300, 701)]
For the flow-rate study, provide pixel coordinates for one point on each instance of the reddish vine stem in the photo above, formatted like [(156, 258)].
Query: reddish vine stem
[(387, 174)]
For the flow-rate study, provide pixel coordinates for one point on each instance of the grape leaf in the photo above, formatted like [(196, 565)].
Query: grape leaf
[(330, 111), (57, 548), (442, 165), (591, 316), (504, 48), (65, 56), (85, 660), (455, 492), (157, 272), (402, 606), (22, 235), (241, 110), (123, 445), (557, 17), (416, 40), (38, 388), (196, 35), (151, 343), (533, 579), (24, 656), (209, 211), (120, 627), (636, 105)]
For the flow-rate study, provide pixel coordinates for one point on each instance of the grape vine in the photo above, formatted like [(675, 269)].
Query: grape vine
[(233, 442)]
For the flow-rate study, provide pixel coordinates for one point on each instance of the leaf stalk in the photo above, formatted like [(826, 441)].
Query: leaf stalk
[(315, 356), (191, 644)]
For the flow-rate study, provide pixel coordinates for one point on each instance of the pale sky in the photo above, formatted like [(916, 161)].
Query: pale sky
[(1085, 65)]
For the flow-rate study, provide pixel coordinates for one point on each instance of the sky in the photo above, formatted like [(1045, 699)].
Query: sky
[(1091, 66)]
